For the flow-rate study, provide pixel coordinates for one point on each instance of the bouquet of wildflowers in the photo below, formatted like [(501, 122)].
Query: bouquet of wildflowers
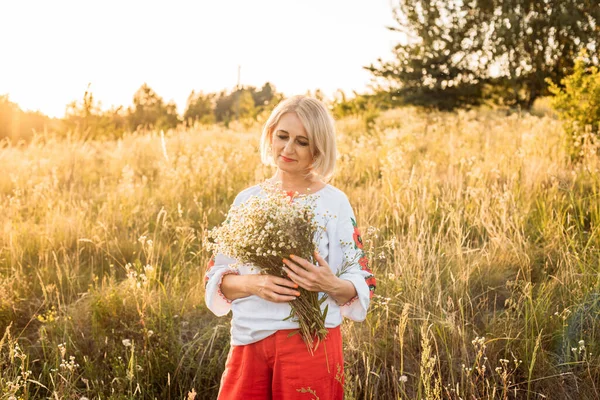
[(264, 230)]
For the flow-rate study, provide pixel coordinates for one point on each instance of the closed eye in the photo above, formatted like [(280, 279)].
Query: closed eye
[(301, 142)]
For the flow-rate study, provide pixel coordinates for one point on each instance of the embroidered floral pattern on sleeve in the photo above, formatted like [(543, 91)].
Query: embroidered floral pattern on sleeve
[(221, 281), (363, 261)]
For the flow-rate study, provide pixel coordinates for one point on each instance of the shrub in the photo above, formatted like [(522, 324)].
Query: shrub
[(577, 102)]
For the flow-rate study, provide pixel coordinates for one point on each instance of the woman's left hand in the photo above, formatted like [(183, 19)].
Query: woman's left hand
[(319, 278), (310, 276)]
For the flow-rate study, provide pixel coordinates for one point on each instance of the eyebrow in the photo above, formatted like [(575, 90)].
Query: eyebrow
[(284, 131)]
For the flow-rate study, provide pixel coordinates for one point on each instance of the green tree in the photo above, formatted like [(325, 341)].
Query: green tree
[(150, 111), (244, 104), (224, 107), (168, 118), (443, 59), (265, 100), (455, 50), (534, 40), (200, 108), (264, 96), (86, 118), (239, 104)]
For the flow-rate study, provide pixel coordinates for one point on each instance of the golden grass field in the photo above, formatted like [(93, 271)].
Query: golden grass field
[(483, 235)]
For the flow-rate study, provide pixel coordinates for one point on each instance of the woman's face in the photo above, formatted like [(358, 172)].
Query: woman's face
[(291, 150)]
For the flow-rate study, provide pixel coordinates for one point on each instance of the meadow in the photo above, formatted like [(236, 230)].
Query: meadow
[(484, 237)]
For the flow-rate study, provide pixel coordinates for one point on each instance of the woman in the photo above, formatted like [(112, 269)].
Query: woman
[(265, 360)]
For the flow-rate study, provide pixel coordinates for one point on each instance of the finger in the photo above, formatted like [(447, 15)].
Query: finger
[(298, 279), (298, 270), (284, 282), (278, 298), (285, 296), (301, 266), (288, 278), (302, 262), (284, 290), (320, 260), (289, 292)]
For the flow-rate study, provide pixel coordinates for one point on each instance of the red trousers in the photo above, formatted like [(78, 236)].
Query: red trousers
[(281, 368)]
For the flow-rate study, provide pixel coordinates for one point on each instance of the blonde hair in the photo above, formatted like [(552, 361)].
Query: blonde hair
[(319, 126)]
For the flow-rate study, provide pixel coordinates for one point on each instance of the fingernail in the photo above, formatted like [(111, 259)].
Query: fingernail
[(292, 256), (296, 286)]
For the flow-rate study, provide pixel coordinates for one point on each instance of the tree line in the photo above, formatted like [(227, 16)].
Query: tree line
[(149, 111), (86, 118)]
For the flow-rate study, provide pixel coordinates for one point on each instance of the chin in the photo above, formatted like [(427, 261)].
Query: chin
[(287, 167), (284, 167)]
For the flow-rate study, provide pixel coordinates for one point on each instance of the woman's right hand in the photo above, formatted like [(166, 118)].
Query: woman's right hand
[(268, 287), (273, 288)]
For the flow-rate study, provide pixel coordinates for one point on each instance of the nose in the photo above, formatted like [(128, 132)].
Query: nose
[(289, 147)]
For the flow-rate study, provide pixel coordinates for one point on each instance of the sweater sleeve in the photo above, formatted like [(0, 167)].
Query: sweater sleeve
[(355, 265), (218, 267)]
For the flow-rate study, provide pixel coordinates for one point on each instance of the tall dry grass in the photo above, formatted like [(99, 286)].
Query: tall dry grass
[(483, 237)]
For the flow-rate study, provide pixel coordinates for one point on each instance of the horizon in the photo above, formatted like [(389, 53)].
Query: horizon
[(59, 49)]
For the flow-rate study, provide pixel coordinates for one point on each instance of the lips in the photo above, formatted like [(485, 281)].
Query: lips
[(286, 159)]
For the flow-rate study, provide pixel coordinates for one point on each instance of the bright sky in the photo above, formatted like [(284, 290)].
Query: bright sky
[(51, 50)]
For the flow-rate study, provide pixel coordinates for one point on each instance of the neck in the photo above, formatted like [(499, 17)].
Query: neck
[(297, 182)]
